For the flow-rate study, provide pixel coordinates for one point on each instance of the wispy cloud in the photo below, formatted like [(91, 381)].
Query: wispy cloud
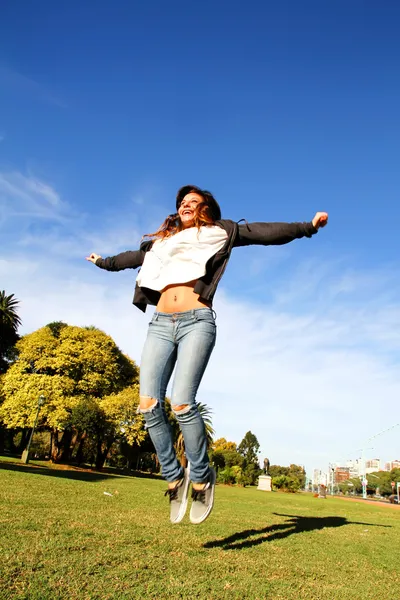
[(25, 196), (34, 217), (78, 240), (10, 79), (2, 137)]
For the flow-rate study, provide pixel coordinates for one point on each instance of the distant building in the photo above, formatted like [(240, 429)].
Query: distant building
[(341, 474), (319, 478), (394, 464), (316, 475), (355, 468), (372, 465)]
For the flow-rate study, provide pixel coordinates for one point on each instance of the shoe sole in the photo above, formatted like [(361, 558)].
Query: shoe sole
[(183, 508), (211, 506)]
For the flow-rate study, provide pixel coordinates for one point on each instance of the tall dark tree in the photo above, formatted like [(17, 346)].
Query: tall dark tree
[(9, 323), (249, 448)]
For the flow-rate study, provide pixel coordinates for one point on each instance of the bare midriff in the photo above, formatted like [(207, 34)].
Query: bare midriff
[(178, 298)]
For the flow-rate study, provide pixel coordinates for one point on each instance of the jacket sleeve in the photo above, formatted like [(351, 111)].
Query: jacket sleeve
[(272, 234), (131, 259)]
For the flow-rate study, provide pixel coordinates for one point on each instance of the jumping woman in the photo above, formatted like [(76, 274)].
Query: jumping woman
[(181, 266)]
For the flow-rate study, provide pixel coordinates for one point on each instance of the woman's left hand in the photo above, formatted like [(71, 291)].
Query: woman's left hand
[(320, 220)]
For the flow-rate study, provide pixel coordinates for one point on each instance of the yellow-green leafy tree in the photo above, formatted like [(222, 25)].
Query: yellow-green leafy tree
[(79, 371), (224, 455), (222, 445), (126, 424)]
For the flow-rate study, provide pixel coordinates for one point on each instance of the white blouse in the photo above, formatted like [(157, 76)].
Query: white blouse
[(181, 257)]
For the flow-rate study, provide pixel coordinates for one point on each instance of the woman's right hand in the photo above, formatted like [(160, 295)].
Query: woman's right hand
[(93, 257)]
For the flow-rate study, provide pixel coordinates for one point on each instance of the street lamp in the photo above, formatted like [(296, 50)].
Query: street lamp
[(364, 480), (364, 475), (25, 454), (331, 477)]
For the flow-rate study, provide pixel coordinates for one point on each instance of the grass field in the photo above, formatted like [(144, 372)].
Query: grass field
[(62, 537)]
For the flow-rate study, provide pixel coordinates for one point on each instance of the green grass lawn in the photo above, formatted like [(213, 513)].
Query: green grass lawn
[(62, 537)]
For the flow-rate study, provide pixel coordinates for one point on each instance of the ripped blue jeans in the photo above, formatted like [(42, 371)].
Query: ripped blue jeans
[(183, 341)]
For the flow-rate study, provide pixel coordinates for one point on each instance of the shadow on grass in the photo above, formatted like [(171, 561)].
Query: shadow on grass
[(69, 472), (293, 524)]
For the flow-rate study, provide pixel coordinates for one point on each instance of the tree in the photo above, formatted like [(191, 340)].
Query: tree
[(382, 480), (231, 475), (9, 323), (249, 448), (56, 327), (112, 419), (298, 472), (277, 470), (290, 479), (222, 445), (123, 422), (357, 485), (71, 367), (395, 474), (286, 483), (224, 455)]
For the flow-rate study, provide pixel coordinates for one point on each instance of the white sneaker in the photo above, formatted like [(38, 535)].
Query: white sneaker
[(178, 498), (203, 500)]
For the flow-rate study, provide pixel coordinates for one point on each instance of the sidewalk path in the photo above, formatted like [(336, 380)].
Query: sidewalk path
[(362, 501)]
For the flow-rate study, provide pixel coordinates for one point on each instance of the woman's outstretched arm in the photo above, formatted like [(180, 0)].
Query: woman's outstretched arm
[(267, 234), (131, 259)]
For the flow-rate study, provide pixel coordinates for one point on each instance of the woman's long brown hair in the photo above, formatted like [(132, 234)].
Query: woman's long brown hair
[(173, 223)]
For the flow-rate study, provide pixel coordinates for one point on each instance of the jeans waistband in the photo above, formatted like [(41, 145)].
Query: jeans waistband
[(184, 315)]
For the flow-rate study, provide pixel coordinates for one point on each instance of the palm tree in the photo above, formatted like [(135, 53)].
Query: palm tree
[(8, 312), (9, 323), (205, 412)]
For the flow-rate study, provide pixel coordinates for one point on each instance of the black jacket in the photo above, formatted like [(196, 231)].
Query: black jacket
[(244, 234)]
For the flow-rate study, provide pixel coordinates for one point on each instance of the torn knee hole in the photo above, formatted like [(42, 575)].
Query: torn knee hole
[(147, 403), (180, 409)]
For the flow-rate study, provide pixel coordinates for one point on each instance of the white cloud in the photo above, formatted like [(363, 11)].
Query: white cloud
[(313, 372), (34, 217), (25, 197)]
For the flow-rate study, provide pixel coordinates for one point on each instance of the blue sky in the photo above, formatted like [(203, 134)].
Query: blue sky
[(281, 109)]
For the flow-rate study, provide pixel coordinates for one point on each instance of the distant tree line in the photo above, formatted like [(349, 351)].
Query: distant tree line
[(379, 483)]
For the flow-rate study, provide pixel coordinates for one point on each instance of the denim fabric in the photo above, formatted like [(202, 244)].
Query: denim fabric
[(183, 341)]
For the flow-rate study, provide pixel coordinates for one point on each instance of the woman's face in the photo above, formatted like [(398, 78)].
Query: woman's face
[(187, 208)]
